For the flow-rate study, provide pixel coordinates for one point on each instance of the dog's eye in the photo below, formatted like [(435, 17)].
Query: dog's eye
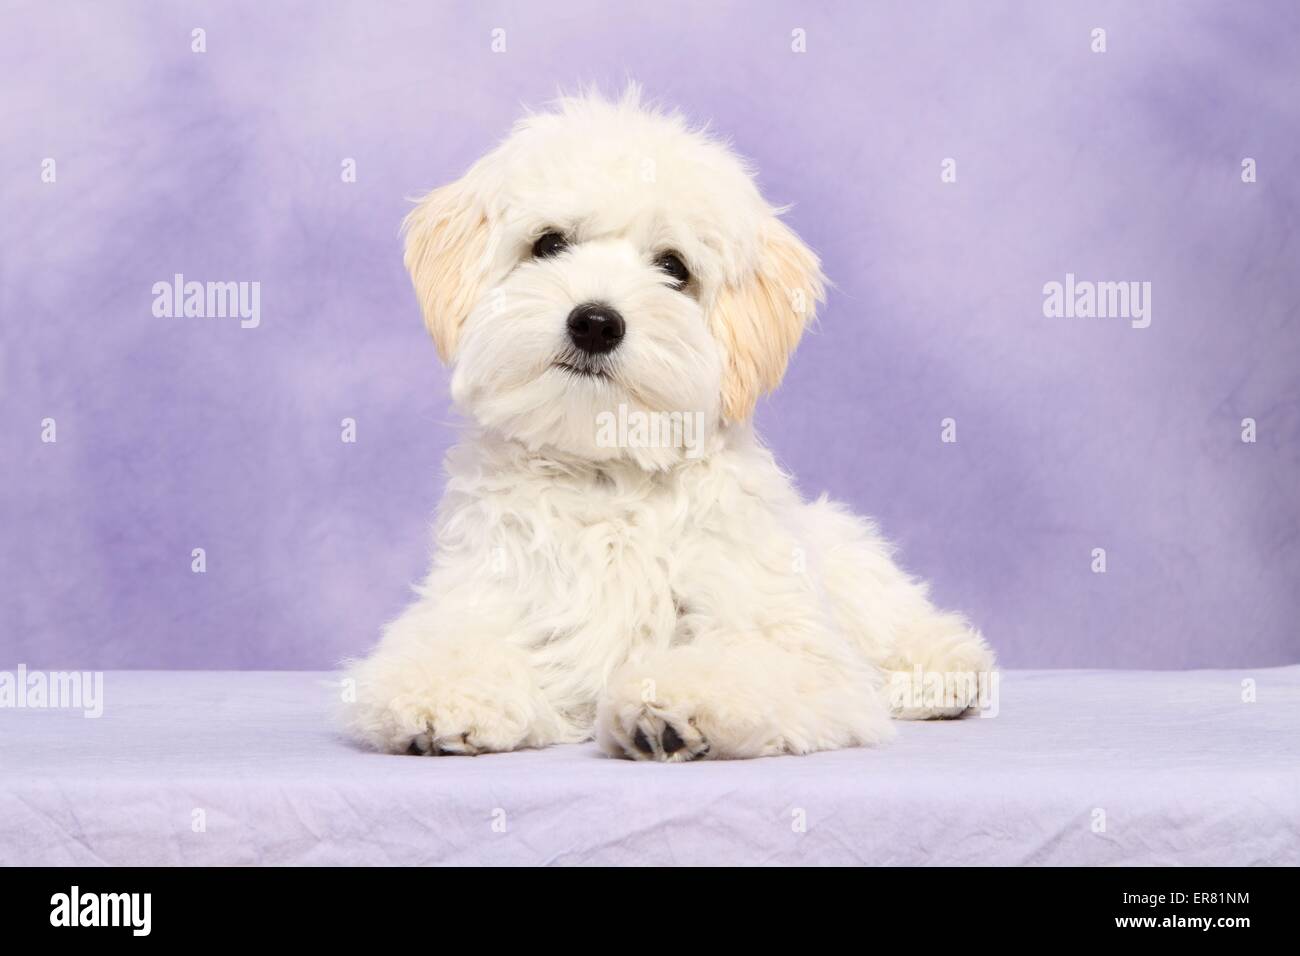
[(672, 264), (553, 243)]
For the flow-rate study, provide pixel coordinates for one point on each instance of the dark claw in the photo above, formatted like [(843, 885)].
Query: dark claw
[(641, 743), (672, 742)]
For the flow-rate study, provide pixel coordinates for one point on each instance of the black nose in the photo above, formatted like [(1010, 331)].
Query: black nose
[(595, 328)]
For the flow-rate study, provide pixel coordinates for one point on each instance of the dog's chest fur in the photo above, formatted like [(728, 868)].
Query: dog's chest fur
[(585, 553)]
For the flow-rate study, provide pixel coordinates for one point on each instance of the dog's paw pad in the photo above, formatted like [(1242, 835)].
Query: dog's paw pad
[(670, 740), (656, 736), (432, 744)]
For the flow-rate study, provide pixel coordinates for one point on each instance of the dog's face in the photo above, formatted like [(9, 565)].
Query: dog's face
[(606, 260)]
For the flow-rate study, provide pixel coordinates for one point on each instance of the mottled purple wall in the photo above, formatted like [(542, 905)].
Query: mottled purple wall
[(1072, 434)]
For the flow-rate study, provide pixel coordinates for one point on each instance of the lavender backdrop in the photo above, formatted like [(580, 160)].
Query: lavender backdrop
[(1073, 434)]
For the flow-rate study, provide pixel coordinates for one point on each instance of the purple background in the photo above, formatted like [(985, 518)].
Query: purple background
[(1072, 434)]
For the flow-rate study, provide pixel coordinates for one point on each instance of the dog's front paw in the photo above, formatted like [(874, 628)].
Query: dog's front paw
[(453, 724), (437, 721), (447, 704), (650, 731), (679, 706)]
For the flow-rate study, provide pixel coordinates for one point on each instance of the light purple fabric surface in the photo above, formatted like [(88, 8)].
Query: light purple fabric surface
[(1073, 434), (1184, 771)]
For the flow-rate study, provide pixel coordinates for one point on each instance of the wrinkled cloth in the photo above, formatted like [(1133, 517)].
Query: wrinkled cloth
[(1077, 767)]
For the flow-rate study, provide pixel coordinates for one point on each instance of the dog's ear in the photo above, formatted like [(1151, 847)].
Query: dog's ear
[(760, 317), (447, 252)]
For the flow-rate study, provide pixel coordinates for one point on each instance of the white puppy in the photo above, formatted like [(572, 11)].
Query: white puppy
[(616, 554)]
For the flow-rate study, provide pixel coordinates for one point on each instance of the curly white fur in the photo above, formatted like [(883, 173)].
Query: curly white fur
[(675, 605)]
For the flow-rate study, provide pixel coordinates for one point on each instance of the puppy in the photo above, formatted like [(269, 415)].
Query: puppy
[(616, 554)]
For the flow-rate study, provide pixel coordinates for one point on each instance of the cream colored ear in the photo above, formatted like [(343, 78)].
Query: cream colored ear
[(760, 318), (446, 254)]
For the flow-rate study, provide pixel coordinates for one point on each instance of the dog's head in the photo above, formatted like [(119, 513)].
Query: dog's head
[(608, 260)]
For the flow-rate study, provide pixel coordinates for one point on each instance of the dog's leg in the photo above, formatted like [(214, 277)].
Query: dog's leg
[(741, 696), (935, 661), (445, 682)]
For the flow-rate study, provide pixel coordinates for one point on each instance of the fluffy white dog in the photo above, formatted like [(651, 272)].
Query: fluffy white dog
[(616, 554)]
